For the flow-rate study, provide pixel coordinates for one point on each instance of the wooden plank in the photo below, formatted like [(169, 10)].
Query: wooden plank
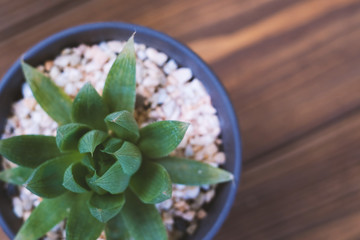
[(304, 188), (175, 18), (17, 16), (289, 85), (276, 76), (2, 235), (289, 18)]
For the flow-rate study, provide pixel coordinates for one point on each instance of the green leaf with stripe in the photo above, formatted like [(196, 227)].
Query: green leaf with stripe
[(114, 180), (119, 90), (91, 140), (88, 108), (29, 150), (161, 138), (89, 162), (80, 224), (105, 207), (191, 172), (112, 145), (45, 216), (151, 183), (91, 181), (123, 125), (75, 178), (68, 136), (17, 175), (46, 180), (115, 229), (129, 157), (143, 221), (50, 97)]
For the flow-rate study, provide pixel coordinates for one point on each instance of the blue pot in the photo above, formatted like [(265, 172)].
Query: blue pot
[(10, 91)]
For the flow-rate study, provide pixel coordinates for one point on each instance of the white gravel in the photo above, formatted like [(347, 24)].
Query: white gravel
[(165, 91)]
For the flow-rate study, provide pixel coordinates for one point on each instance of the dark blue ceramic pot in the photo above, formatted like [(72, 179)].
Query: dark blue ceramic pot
[(10, 91)]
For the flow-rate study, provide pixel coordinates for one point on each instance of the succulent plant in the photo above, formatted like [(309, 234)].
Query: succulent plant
[(100, 172)]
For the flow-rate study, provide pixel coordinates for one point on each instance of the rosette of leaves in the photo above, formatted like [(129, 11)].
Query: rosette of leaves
[(100, 172)]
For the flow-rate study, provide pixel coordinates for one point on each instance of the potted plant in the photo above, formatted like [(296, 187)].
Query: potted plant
[(103, 170)]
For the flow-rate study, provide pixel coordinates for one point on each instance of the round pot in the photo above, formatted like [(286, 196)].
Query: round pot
[(10, 91)]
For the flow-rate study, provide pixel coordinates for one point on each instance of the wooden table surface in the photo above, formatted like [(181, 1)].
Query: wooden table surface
[(292, 70)]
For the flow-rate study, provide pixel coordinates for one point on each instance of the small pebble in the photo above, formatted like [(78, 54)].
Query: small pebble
[(170, 66), (189, 215), (182, 75), (155, 56), (18, 210), (201, 214)]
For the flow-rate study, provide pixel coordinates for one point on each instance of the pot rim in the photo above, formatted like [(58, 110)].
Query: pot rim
[(188, 53)]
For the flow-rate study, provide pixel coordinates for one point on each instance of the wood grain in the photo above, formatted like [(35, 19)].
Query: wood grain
[(304, 190), (291, 68)]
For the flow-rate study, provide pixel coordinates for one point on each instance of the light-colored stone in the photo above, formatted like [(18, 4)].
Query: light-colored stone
[(157, 57), (191, 192), (182, 75), (170, 66)]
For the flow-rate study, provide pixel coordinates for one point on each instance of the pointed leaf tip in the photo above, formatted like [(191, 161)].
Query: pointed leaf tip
[(114, 180), (54, 101), (124, 125), (119, 90), (112, 145), (88, 108), (191, 172), (129, 157), (91, 140)]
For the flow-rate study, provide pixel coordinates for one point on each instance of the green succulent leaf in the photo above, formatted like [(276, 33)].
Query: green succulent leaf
[(142, 221), (91, 181), (123, 125), (50, 97), (191, 172), (151, 183), (161, 138), (80, 223), (112, 145), (46, 180), (68, 136), (74, 178), (103, 162), (88, 108), (115, 229), (91, 140), (119, 89), (105, 207), (17, 175), (89, 162), (129, 157), (114, 179), (29, 150), (45, 216)]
